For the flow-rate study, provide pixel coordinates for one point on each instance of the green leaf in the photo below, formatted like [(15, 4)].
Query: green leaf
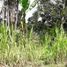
[(25, 4)]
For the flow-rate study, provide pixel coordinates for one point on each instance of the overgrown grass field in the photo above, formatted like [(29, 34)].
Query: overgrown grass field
[(17, 50)]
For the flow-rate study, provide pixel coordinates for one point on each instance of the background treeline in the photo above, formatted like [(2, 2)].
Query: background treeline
[(51, 14)]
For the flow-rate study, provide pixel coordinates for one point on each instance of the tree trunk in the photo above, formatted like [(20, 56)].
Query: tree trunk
[(8, 16), (24, 23), (16, 22), (63, 20)]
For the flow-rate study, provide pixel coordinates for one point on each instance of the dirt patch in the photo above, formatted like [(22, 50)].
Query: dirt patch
[(32, 64)]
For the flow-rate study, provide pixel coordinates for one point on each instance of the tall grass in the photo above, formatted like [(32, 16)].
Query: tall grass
[(14, 47)]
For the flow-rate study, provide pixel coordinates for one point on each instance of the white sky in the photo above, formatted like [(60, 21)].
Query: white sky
[(53, 1), (30, 13), (31, 1), (1, 4)]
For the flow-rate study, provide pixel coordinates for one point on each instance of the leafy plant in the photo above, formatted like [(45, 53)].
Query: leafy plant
[(25, 6)]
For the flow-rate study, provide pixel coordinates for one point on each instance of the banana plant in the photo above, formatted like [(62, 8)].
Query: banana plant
[(25, 6)]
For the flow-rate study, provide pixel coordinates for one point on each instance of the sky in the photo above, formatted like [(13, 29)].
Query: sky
[(30, 12), (31, 1), (53, 1), (1, 4)]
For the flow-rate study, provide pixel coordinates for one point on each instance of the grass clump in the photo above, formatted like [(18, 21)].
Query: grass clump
[(46, 49)]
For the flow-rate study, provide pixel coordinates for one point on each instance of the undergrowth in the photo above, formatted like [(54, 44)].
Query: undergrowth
[(45, 48)]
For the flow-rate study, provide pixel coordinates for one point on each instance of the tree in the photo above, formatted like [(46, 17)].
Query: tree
[(10, 11), (52, 14)]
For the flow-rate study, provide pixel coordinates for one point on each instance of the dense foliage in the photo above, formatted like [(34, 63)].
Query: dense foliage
[(52, 15)]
